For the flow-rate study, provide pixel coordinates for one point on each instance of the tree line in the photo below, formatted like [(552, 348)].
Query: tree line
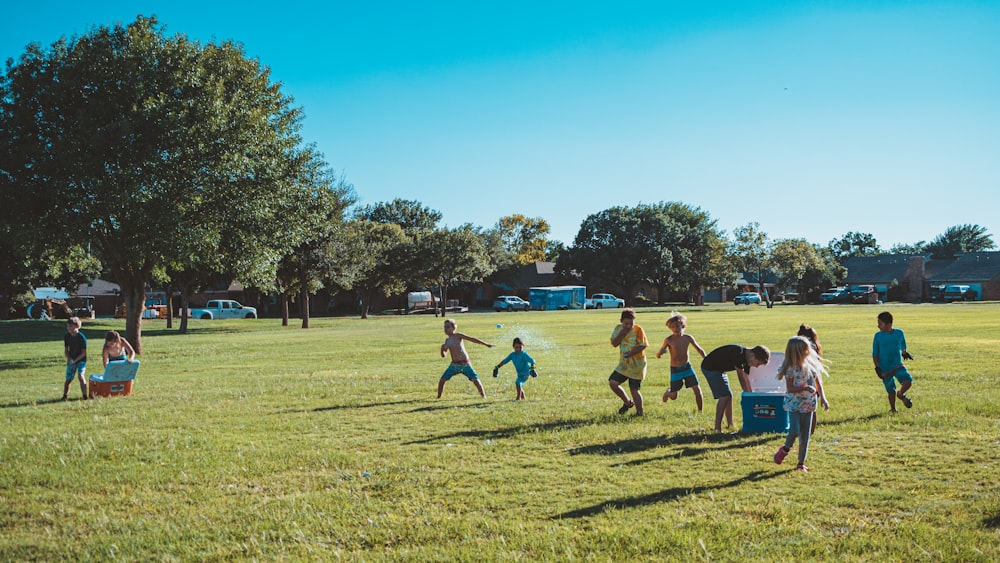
[(159, 161)]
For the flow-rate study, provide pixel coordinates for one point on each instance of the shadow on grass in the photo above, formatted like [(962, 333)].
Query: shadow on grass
[(38, 402), (663, 496), (692, 452), (28, 363), (992, 521), (820, 423), (643, 444), (368, 406), (501, 433)]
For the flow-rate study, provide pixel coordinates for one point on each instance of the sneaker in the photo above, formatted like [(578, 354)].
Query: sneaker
[(779, 456), (906, 401), (625, 408), (802, 468)]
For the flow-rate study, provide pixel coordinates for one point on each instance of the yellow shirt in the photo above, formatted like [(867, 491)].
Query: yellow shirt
[(634, 366)]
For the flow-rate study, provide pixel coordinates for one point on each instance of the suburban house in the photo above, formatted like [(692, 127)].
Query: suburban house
[(907, 277)]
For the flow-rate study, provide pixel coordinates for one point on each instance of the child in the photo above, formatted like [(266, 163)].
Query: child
[(681, 373), (75, 348), (803, 372), (523, 363), (888, 351), (728, 358), (116, 348), (631, 341), (459, 358), (813, 337)]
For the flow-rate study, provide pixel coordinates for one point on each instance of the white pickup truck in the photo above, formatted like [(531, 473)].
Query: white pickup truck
[(602, 300), (224, 309)]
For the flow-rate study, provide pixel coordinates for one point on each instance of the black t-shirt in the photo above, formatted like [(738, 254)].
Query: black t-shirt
[(726, 358), (75, 344)]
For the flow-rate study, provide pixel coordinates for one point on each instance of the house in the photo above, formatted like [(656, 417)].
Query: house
[(978, 270), (907, 277), (896, 277)]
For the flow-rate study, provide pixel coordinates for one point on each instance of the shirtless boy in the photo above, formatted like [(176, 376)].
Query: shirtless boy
[(681, 372), (454, 345)]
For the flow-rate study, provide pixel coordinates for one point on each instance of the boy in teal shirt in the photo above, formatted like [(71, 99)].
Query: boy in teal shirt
[(888, 351)]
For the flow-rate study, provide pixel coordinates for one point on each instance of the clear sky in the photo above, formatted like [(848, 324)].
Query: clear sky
[(812, 118)]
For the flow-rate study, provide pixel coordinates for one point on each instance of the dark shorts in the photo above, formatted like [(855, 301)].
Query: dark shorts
[(619, 378), (689, 381), (718, 382)]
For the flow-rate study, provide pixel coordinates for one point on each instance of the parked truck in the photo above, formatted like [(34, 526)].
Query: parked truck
[(224, 309), (604, 301), (557, 297)]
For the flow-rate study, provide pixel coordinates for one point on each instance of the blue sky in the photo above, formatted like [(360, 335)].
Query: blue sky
[(812, 118)]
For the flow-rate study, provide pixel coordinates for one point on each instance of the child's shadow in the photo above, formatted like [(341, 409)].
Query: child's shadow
[(643, 444), (663, 496), (36, 403)]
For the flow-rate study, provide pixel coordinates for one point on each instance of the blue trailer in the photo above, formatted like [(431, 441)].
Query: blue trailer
[(557, 297)]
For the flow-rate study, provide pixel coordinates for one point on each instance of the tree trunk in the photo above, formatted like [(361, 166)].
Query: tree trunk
[(304, 306), (170, 307), (284, 308), (134, 291), (366, 301)]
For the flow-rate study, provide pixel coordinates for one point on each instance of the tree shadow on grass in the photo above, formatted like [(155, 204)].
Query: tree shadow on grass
[(642, 444), (29, 403), (367, 406), (663, 496), (501, 433)]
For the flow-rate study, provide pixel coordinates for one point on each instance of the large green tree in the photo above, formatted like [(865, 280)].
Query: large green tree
[(412, 216), (383, 263), (750, 251), (609, 246), (854, 244), (801, 266), (154, 152), (960, 238), (447, 257), (697, 247)]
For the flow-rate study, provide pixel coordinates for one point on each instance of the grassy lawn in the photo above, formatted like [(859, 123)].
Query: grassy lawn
[(248, 440)]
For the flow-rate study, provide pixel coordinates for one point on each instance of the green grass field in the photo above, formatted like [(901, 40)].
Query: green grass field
[(248, 440)]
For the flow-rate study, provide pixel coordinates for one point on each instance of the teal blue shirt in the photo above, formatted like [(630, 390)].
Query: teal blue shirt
[(521, 360), (887, 349)]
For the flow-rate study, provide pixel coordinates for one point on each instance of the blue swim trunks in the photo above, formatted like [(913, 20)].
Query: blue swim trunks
[(464, 369), (72, 369), (679, 373), (899, 373)]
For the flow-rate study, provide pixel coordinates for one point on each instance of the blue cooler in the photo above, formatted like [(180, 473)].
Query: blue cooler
[(764, 406), (764, 412)]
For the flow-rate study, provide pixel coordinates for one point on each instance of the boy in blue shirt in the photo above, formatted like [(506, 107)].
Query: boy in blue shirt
[(523, 364), (888, 351)]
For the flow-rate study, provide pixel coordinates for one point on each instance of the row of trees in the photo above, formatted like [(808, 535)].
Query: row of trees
[(158, 161)]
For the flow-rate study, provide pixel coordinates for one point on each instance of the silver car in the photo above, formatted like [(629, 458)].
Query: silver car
[(511, 303)]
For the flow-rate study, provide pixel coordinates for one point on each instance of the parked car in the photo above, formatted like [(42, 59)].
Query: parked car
[(511, 303), (956, 292), (835, 295), (747, 298), (223, 309), (864, 294), (603, 300)]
